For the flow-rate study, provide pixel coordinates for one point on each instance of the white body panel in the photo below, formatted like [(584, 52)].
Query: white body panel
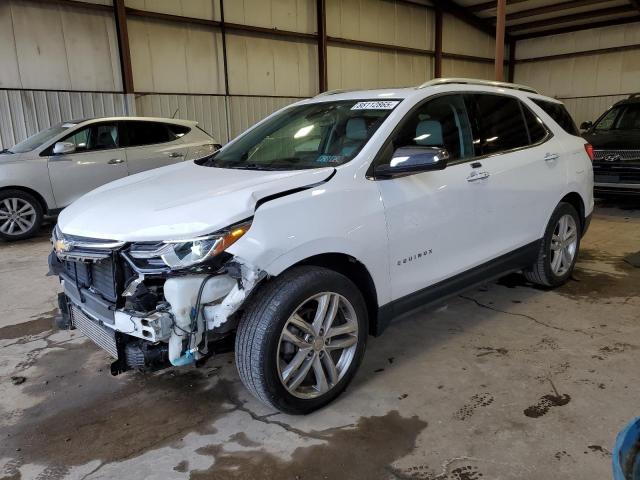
[(377, 222), (433, 224)]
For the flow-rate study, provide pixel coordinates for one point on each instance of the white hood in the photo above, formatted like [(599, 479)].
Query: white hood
[(176, 202)]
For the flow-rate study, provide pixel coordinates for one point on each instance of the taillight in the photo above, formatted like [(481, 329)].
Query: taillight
[(589, 149)]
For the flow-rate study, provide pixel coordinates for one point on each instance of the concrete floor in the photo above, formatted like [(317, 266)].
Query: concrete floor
[(505, 382)]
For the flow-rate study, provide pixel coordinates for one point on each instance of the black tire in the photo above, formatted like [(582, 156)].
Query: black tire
[(259, 331), (36, 218), (541, 272)]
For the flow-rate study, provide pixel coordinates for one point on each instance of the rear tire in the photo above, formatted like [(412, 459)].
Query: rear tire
[(301, 339), (559, 248), (20, 215)]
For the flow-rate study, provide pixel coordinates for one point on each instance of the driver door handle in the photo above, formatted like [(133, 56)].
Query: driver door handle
[(551, 156), (175, 155), (115, 161), (475, 176)]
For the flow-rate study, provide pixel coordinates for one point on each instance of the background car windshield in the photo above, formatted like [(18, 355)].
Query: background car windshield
[(40, 138), (624, 117), (307, 136)]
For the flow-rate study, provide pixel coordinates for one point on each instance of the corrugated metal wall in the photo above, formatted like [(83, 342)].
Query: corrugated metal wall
[(25, 112), (206, 9), (462, 39), (386, 22), (48, 50), (169, 57), (55, 47), (224, 118), (584, 109), (588, 84), (293, 15), (208, 110)]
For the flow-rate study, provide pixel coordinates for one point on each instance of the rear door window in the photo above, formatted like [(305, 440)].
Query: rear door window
[(500, 125), (559, 113), (141, 133)]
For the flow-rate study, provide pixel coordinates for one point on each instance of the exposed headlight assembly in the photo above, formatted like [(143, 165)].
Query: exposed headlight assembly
[(178, 254)]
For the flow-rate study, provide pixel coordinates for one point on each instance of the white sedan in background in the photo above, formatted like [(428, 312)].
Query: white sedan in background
[(51, 169)]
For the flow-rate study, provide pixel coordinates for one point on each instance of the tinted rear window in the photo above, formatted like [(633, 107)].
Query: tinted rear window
[(502, 126), (179, 130), (147, 133), (559, 113)]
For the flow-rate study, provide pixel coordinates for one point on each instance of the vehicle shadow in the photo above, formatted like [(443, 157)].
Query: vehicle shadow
[(618, 206)]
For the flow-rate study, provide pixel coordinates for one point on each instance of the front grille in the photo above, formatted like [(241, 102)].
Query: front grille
[(99, 276), (104, 337), (616, 155)]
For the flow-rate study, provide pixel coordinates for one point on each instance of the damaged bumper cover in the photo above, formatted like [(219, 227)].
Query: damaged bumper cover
[(183, 312)]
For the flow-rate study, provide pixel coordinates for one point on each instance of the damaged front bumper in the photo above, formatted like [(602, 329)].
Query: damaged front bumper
[(148, 321)]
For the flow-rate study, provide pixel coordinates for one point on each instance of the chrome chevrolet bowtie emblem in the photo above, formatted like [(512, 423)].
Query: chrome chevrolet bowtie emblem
[(61, 245), (614, 157)]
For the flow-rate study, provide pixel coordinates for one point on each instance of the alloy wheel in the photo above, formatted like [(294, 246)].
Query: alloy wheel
[(17, 216), (564, 244), (317, 345)]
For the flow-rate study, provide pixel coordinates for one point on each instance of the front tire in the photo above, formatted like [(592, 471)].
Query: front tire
[(559, 248), (301, 339), (20, 215)]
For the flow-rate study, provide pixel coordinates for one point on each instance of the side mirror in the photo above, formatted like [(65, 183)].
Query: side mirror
[(216, 147), (64, 148), (586, 125), (409, 160)]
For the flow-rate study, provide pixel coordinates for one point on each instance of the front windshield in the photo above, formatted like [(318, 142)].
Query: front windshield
[(40, 138), (306, 136), (621, 118)]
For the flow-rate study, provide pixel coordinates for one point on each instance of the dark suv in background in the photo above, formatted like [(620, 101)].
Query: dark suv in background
[(615, 137)]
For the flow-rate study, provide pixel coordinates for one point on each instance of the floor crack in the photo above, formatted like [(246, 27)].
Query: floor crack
[(524, 315)]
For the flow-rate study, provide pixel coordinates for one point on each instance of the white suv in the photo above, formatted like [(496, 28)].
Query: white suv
[(49, 170), (317, 226)]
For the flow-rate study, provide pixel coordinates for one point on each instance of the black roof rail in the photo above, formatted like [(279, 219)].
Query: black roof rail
[(634, 95)]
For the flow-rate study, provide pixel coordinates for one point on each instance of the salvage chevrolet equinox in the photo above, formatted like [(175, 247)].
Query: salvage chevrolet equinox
[(320, 224)]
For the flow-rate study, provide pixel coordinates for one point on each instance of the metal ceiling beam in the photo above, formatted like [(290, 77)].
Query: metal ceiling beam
[(481, 7), (321, 17), (80, 4), (465, 15), (577, 28), (572, 18), (437, 64), (635, 4), (120, 16), (500, 33), (552, 8)]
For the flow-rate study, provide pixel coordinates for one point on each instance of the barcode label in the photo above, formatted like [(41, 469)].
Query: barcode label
[(381, 105)]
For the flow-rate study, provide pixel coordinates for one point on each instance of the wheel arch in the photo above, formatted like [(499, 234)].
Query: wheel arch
[(575, 199), (30, 191), (355, 271)]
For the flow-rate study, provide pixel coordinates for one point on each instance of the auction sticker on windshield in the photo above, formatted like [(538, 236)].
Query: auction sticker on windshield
[(380, 105)]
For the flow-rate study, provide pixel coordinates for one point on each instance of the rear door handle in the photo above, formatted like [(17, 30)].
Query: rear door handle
[(551, 156), (175, 155), (475, 176), (115, 161)]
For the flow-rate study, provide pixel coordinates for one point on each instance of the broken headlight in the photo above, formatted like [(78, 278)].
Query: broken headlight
[(177, 254)]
